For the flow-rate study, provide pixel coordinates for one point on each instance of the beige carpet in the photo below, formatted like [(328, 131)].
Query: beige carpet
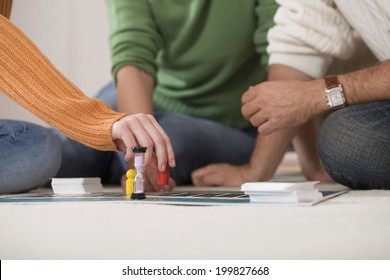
[(355, 225)]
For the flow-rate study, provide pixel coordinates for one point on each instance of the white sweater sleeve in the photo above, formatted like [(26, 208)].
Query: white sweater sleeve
[(307, 34)]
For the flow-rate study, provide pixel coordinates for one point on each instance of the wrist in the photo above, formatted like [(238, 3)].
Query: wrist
[(320, 103), (334, 93), (256, 173)]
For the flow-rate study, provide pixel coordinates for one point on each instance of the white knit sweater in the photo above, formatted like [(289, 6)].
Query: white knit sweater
[(309, 33)]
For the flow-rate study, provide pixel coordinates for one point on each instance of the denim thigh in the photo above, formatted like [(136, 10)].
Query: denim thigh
[(354, 145), (30, 156), (198, 142)]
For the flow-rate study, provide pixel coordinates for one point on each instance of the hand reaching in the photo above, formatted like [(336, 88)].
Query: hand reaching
[(143, 130)]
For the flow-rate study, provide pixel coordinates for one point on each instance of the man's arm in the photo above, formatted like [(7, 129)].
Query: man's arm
[(278, 105), (367, 85), (269, 150)]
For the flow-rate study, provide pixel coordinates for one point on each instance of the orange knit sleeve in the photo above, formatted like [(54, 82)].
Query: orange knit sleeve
[(30, 79)]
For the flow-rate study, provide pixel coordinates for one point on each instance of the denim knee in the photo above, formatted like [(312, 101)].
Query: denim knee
[(30, 156), (354, 146)]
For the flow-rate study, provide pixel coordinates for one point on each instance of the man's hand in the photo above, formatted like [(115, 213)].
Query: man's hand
[(276, 105), (221, 174), (143, 130)]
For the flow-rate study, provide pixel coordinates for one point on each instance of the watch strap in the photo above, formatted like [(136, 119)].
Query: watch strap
[(331, 81)]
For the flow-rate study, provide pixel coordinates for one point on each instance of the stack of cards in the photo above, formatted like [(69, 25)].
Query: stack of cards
[(76, 185), (282, 192)]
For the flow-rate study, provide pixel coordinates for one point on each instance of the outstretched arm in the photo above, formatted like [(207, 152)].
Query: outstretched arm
[(29, 78)]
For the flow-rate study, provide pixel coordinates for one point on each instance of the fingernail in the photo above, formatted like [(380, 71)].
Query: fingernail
[(173, 163), (163, 167)]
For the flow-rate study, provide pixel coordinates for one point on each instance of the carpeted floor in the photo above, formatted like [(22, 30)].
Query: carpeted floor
[(355, 225)]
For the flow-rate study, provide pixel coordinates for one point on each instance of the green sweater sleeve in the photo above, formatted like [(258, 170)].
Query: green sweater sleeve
[(134, 39), (265, 11)]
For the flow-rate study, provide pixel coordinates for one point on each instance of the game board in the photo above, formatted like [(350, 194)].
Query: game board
[(173, 198)]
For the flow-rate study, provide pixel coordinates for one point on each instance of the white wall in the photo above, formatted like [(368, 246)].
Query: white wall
[(73, 34)]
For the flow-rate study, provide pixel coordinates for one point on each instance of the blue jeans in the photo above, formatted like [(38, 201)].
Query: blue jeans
[(354, 145), (30, 155), (197, 142)]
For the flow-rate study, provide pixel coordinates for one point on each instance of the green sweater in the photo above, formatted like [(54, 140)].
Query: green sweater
[(204, 54)]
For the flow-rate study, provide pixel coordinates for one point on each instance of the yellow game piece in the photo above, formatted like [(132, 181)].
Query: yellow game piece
[(130, 174)]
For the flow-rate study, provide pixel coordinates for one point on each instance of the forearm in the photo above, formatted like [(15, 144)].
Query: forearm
[(135, 90), (366, 85), (304, 138), (270, 149), (369, 84), (29, 78), (268, 153)]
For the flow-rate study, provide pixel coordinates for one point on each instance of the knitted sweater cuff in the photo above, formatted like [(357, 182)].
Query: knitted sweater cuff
[(314, 66)]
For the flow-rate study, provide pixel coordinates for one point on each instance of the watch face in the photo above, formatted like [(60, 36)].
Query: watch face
[(335, 97)]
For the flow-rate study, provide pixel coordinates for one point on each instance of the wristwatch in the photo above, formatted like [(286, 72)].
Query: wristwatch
[(334, 93)]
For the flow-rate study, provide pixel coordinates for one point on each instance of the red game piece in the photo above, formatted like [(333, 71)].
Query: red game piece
[(163, 177)]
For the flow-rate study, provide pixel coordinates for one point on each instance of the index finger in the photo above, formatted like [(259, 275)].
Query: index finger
[(248, 95), (168, 145)]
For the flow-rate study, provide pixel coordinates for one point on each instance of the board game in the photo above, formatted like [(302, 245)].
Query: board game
[(174, 198)]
